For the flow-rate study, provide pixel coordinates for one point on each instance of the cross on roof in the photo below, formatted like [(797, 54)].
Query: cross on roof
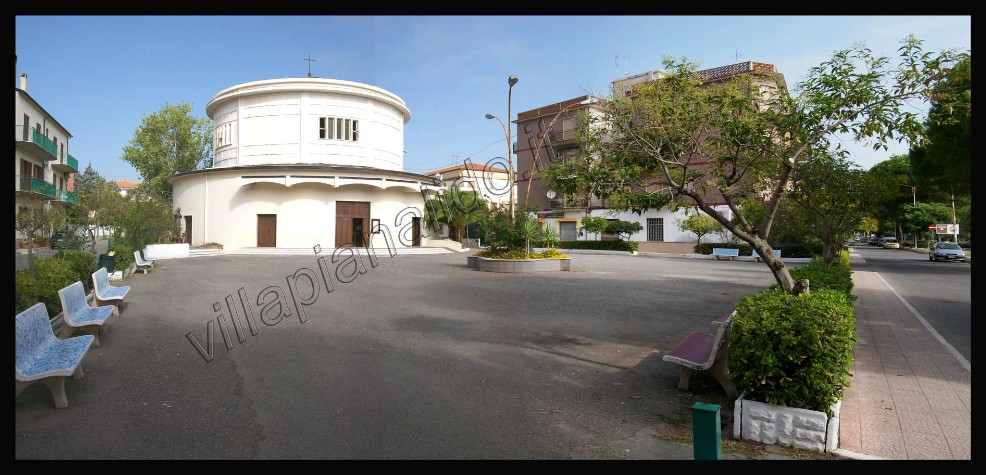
[(309, 59)]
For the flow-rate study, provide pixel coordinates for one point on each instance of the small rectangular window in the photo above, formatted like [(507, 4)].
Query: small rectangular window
[(355, 131), (322, 127)]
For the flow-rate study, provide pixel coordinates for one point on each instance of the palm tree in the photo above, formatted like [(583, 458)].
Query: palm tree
[(457, 208)]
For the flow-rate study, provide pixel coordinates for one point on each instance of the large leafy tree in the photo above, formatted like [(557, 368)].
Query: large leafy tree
[(31, 222), (915, 218), (95, 199), (167, 142), (830, 191), (943, 162), (682, 140)]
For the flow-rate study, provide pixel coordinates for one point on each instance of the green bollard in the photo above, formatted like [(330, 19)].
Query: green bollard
[(706, 431)]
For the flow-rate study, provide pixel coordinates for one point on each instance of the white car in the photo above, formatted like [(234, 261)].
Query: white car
[(946, 251)]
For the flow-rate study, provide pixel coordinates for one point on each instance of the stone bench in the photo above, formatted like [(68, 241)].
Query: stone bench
[(704, 352), (39, 356), (77, 314), (724, 252)]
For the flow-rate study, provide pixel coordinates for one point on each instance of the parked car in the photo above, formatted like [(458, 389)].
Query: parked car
[(946, 251), (875, 241), (66, 240), (889, 243)]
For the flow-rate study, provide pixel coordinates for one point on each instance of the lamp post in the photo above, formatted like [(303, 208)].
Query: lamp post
[(506, 131)]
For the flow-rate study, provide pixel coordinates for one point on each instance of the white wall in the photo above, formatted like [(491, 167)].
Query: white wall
[(671, 231), (280, 124), (225, 211)]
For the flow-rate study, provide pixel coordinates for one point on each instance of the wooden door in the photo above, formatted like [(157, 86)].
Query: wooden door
[(188, 230), (352, 219), (416, 231), (266, 230)]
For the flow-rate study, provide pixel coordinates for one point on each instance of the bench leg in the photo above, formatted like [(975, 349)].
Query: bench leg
[(66, 332), (57, 386), (720, 371), (78, 372), (686, 375)]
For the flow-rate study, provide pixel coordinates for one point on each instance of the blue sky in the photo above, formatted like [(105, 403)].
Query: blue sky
[(100, 75)]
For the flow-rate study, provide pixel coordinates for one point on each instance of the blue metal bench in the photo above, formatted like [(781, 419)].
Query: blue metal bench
[(78, 314), (106, 293), (757, 257), (704, 352), (42, 357), (723, 252), (143, 265)]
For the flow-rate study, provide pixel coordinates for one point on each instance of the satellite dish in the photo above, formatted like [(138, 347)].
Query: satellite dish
[(551, 194)]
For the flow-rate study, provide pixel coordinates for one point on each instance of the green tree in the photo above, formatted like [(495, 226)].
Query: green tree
[(914, 219), (682, 140), (167, 142), (619, 228), (32, 222), (141, 219), (594, 224), (944, 161), (699, 224), (830, 190), (457, 208), (94, 196)]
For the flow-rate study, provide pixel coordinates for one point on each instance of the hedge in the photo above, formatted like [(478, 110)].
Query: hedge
[(787, 250), (629, 246)]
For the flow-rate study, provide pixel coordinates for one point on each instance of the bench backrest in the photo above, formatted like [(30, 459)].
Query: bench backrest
[(73, 300), (33, 334), (139, 260), (100, 279), (725, 251)]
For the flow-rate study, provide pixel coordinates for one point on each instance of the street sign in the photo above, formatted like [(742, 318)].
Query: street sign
[(944, 228), (932, 227)]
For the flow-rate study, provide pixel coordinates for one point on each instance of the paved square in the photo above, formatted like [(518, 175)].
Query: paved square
[(418, 357)]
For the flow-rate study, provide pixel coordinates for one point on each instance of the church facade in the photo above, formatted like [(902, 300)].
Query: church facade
[(301, 162)]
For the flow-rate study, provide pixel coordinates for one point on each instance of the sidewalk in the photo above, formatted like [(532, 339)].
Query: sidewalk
[(910, 397)]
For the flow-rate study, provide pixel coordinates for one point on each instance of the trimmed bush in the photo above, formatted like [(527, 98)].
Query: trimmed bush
[(84, 264), (628, 246), (53, 275), (520, 255), (837, 277), (124, 255), (793, 351), (24, 294), (787, 250)]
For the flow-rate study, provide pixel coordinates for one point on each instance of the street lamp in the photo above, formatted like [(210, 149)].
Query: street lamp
[(506, 131)]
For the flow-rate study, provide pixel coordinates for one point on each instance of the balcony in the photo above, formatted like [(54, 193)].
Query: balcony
[(68, 164), (577, 203), (29, 140), (30, 184), (562, 136), (66, 196)]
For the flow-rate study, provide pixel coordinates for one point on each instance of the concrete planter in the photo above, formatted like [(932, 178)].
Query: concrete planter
[(791, 427), (518, 266)]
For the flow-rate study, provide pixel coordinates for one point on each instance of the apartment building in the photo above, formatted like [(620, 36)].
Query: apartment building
[(43, 167), (546, 136)]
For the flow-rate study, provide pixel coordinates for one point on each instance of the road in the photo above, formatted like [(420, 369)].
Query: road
[(940, 291)]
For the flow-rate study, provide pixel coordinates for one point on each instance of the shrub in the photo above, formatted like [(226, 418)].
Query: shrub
[(84, 264), (52, 276), (124, 254), (24, 294), (518, 254), (787, 250), (836, 277), (793, 351), (629, 246)]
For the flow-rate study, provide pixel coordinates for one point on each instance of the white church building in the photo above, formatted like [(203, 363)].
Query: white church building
[(301, 162)]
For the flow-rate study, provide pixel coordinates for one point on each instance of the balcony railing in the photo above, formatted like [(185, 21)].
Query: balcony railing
[(36, 185), (577, 202), (31, 135), (72, 162), (563, 135), (65, 195)]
